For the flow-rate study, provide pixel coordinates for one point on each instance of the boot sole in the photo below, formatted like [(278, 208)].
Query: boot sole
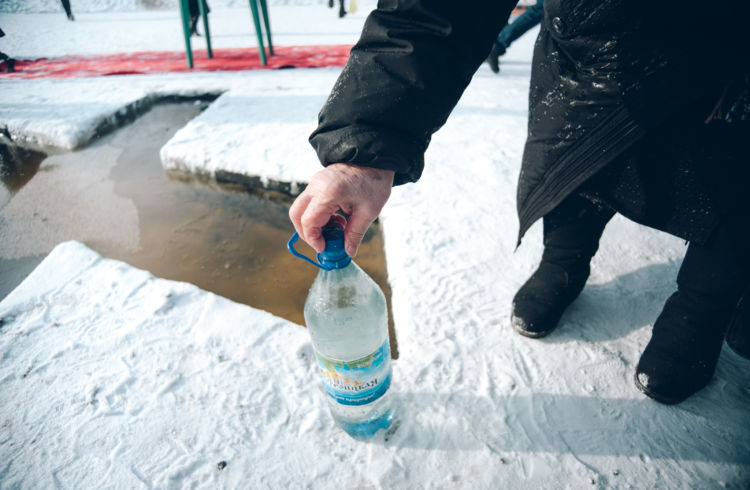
[(655, 396), (528, 333)]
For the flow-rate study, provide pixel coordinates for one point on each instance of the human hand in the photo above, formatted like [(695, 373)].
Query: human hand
[(360, 192)]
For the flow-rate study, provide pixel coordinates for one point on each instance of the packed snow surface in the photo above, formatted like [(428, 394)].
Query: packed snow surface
[(113, 378)]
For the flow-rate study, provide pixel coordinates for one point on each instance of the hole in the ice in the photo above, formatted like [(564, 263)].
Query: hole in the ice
[(224, 238)]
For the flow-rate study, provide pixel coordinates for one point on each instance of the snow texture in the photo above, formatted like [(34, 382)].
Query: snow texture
[(112, 378), (46, 6)]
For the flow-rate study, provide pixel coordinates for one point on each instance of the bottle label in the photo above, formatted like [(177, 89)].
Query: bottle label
[(357, 382)]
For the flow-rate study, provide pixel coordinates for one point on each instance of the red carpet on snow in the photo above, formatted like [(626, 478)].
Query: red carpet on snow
[(149, 62)]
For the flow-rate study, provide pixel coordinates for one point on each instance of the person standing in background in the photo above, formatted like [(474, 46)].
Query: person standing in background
[(68, 12), (531, 17), (195, 15), (342, 10), (9, 62)]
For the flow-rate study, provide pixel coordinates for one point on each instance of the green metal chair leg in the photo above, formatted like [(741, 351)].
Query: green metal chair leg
[(264, 9), (184, 12), (258, 32), (204, 13)]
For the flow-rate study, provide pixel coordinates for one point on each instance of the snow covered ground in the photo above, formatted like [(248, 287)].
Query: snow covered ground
[(112, 378)]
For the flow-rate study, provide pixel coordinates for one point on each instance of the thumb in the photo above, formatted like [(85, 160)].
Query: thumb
[(355, 231)]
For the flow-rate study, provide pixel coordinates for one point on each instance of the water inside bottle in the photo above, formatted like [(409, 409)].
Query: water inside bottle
[(366, 430)]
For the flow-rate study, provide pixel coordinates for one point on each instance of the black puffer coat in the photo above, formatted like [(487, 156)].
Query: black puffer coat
[(606, 73)]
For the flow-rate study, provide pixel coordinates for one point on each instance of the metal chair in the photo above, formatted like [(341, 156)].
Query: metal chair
[(256, 11)]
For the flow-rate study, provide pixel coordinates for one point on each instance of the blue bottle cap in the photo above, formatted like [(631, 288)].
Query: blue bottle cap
[(334, 256)]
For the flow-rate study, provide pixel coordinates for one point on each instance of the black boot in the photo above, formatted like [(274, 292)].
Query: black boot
[(681, 357), (738, 333), (494, 57), (571, 238)]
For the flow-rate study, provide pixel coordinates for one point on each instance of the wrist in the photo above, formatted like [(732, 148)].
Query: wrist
[(379, 174)]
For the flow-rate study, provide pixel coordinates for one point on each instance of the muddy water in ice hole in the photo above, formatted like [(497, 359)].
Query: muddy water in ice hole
[(223, 239)]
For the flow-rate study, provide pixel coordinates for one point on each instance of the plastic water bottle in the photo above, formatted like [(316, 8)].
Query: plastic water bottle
[(346, 316)]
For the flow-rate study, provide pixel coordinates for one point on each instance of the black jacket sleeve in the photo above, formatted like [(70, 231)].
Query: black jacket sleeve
[(404, 76)]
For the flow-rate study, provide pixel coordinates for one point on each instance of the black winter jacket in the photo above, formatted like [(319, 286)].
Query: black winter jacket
[(605, 74)]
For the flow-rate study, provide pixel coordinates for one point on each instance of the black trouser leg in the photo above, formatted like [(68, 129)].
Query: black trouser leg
[(714, 275), (68, 11), (738, 333), (735, 252), (572, 232)]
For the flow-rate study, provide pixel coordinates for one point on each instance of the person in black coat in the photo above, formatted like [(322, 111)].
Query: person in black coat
[(637, 108), (530, 18), (195, 15), (10, 63), (342, 10)]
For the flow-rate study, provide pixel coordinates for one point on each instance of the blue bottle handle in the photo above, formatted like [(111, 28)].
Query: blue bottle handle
[(290, 246)]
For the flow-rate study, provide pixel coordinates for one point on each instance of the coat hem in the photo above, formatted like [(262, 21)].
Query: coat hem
[(614, 136)]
